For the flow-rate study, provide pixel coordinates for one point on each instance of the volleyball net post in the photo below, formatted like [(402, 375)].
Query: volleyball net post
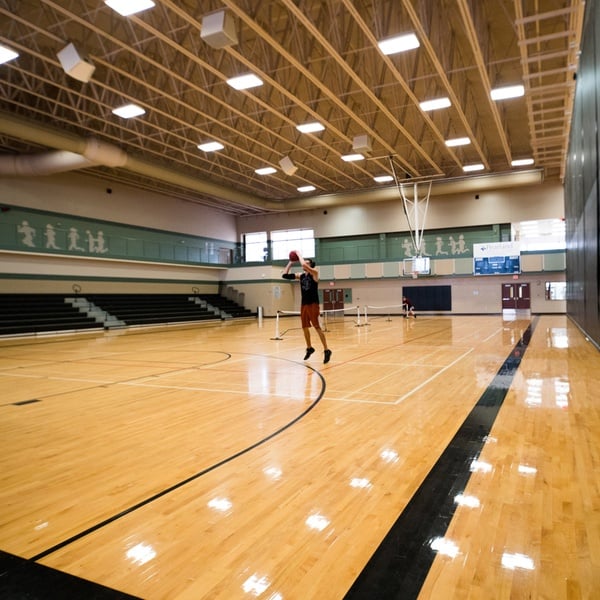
[(358, 323), (277, 334)]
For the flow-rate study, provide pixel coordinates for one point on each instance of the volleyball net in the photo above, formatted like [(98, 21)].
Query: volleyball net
[(383, 311), (327, 316), (360, 319)]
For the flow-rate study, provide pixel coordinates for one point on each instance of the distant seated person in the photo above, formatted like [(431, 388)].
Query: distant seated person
[(408, 307)]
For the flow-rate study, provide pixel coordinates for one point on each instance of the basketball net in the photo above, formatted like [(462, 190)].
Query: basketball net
[(415, 210)]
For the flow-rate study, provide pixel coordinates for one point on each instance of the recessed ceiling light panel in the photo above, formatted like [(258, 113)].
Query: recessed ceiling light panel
[(352, 157), (399, 43), (210, 146), (129, 7), (306, 188), (310, 127), (475, 167), (245, 82), (462, 141), (128, 111), (522, 162), (7, 54), (383, 178), (435, 104), (510, 91), (265, 171)]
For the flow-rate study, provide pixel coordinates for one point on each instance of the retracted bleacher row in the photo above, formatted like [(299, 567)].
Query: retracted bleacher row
[(39, 313), (43, 313)]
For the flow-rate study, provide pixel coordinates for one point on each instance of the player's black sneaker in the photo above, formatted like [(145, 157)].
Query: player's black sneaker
[(327, 356), (309, 351)]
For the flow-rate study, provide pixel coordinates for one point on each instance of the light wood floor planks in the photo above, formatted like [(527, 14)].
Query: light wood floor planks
[(213, 462)]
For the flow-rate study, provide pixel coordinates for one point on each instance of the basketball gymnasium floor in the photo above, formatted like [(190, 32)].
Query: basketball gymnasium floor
[(434, 458)]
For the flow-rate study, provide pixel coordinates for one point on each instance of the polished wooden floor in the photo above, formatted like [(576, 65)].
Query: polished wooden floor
[(213, 462)]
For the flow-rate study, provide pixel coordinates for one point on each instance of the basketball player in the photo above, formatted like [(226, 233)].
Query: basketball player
[(309, 309), (408, 307)]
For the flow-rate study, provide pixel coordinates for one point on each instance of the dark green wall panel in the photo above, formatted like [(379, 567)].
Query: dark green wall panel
[(28, 230)]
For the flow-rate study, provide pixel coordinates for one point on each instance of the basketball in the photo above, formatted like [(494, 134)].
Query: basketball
[(293, 256)]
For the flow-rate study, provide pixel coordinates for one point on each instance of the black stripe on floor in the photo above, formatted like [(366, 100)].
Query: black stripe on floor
[(399, 566), (24, 402), (22, 579), (25, 579)]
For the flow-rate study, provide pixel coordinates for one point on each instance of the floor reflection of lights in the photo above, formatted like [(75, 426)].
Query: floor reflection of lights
[(517, 561)]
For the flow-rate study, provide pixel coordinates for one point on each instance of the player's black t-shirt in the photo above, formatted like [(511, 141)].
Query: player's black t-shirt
[(309, 288)]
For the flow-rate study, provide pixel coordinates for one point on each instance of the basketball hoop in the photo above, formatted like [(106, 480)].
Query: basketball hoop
[(415, 266), (415, 209)]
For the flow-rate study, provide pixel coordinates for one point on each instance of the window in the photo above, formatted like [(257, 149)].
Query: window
[(285, 240), (545, 234), (255, 247), (556, 290)]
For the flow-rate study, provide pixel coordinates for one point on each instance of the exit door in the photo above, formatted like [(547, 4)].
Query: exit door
[(333, 299), (516, 296)]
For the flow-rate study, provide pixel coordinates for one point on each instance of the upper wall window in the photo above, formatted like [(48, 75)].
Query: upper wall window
[(544, 234), (255, 247), (285, 240), (556, 290)]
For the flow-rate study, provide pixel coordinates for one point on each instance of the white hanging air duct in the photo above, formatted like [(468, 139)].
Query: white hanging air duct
[(80, 153), (42, 164), (93, 153)]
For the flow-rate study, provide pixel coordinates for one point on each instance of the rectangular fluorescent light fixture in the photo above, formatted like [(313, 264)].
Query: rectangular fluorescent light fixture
[(399, 43), (7, 54), (244, 82), (306, 188), (310, 127), (210, 146), (352, 157), (129, 7), (128, 111), (463, 141), (476, 167), (510, 91), (265, 171), (435, 104), (522, 162), (383, 178)]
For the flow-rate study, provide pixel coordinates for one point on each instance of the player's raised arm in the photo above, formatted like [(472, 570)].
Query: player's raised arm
[(286, 272), (309, 267)]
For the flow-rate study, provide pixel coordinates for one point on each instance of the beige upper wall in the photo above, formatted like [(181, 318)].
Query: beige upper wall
[(85, 196), (526, 203)]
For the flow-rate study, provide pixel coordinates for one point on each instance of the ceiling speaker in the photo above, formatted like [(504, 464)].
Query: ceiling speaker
[(287, 166), (362, 144), (74, 65), (218, 29)]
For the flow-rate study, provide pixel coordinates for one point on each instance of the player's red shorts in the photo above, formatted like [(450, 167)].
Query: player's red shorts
[(309, 315)]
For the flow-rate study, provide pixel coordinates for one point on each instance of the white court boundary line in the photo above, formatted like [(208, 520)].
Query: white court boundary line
[(149, 385), (144, 380), (205, 389), (434, 376), (489, 337), (408, 394)]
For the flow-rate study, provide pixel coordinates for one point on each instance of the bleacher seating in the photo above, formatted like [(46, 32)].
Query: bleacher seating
[(227, 307), (37, 313), (151, 309)]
